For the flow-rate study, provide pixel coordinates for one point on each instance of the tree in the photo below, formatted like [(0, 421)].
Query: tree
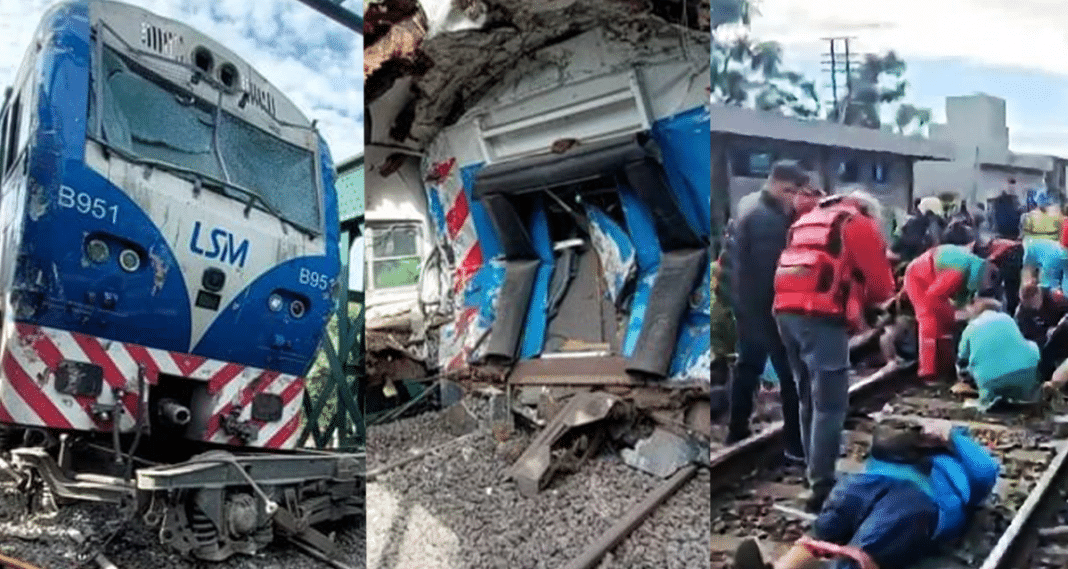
[(911, 119), (748, 73), (731, 12), (874, 86)]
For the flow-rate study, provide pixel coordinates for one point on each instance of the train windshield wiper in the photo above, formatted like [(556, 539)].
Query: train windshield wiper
[(199, 177)]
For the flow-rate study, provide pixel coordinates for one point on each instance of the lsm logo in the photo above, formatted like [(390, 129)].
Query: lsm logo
[(220, 245)]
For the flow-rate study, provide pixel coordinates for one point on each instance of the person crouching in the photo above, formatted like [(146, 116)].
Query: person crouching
[(932, 280), (995, 355)]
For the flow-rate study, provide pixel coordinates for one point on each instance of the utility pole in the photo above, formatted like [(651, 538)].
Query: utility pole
[(334, 10), (840, 61)]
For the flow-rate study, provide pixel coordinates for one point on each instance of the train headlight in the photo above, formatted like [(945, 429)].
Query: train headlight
[(129, 260), (274, 302), (97, 251), (297, 308)]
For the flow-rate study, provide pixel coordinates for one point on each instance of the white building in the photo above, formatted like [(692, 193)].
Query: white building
[(982, 163)]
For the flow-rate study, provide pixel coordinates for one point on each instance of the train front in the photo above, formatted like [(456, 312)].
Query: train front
[(178, 249)]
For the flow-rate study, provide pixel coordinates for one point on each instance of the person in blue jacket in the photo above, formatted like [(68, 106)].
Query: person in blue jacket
[(918, 490), (1050, 259)]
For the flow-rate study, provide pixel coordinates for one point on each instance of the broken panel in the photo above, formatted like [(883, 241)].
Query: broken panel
[(511, 310), (538, 312), (533, 469), (647, 179), (515, 239), (615, 250), (669, 299), (578, 324)]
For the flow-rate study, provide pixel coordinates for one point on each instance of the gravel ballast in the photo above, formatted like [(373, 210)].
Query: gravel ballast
[(45, 540), (455, 507)]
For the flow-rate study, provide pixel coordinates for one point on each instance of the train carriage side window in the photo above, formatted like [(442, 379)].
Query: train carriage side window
[(760, 164), (394, 255)]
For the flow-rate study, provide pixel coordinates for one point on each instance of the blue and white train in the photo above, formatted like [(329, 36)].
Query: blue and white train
[(159, 191), (168, 263)]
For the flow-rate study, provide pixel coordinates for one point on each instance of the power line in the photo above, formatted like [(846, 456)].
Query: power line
[(840, 61)]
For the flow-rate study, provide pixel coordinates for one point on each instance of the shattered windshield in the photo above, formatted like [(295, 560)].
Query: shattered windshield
[(145, 116)]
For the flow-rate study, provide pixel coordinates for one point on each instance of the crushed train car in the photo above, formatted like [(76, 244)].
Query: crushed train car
[(568, 213)]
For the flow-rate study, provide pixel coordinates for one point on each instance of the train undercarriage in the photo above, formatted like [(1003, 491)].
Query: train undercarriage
[(210, 506)]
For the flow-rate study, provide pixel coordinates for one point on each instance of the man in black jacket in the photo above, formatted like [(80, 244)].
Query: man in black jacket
[(759, 237)]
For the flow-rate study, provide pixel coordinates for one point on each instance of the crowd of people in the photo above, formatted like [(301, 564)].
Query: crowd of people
[(804, 271)]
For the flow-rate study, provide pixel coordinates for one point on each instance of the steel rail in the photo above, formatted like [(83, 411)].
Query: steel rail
[(1019, 537), (728, 464), (12, 563)]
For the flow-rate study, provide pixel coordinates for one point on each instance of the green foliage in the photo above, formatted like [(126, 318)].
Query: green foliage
[(731, 12), (748, 73), (911, 119), (874, 85), (318, 375), (723, 334)]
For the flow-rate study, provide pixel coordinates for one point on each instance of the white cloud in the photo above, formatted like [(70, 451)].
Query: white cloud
[(1016, 34), (1019, 34), (316, 62)]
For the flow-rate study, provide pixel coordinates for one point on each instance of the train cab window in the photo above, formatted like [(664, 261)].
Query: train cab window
[(11, 132), (3, 141)]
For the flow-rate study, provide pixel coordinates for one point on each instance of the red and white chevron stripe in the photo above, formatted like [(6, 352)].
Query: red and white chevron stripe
[(31, 354), (458, 338)]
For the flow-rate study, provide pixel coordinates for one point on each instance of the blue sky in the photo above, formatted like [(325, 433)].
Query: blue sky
[(313, 60), (952, 47)]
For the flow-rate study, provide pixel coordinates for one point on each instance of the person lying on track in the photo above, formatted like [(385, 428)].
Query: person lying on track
[(918, 491), (1053, 361), (996, 357)]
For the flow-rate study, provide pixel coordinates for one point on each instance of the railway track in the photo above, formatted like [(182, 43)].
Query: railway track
[(605, 515), (1023, 524), (7, 562)]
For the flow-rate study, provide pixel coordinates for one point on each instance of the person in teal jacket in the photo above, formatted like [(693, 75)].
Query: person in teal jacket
[(995, 355), (918, 491), (1050, 259)]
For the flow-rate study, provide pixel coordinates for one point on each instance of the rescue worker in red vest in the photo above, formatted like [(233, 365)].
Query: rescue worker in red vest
[(932, 280), (835, 256)]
